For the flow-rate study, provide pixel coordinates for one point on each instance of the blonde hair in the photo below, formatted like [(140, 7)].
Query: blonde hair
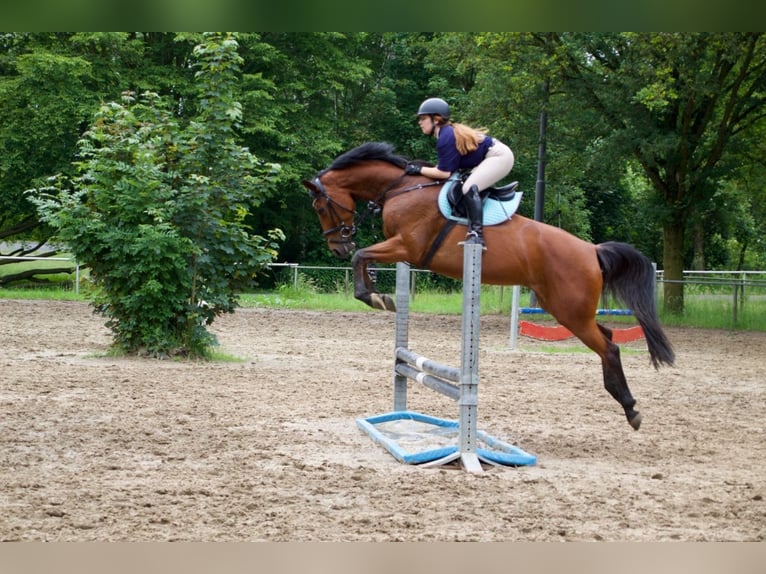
[(467, 139)]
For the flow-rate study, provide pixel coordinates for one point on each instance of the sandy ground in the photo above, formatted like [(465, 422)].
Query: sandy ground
[(267, 447)]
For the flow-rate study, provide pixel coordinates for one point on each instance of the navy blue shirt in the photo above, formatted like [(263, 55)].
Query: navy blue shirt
[(450, 159)]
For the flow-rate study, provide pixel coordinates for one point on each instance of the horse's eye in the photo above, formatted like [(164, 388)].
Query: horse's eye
[(319, 208)]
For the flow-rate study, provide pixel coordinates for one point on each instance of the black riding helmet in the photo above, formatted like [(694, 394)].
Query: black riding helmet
[(434, 106)]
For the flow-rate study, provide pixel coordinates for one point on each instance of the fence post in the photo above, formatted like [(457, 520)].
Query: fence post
[(515, 316), (345, 284)]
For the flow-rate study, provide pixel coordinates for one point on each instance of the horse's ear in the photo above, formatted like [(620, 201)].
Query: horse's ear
[(310, 185)]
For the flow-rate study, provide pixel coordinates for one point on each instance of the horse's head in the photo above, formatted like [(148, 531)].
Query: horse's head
[(370, 170), (336, 216)]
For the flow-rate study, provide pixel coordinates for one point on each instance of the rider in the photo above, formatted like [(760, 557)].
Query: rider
[(459, 146)]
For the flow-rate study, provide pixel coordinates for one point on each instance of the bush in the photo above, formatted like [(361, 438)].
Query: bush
[(157, 212)]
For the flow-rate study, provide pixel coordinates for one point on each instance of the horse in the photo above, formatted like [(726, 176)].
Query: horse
[(567, 274)]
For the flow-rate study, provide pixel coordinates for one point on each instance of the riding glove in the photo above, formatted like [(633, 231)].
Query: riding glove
[(412, 169)]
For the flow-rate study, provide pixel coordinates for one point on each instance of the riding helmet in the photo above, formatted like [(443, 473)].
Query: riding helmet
[(433, 106)]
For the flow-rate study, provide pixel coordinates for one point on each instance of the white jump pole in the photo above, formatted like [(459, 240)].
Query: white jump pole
[(469, 364), (401, 336)]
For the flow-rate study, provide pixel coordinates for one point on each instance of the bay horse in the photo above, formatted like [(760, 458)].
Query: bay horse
[(567, 274)]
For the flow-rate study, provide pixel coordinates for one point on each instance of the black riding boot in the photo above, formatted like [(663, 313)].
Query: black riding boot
[(474, 208)]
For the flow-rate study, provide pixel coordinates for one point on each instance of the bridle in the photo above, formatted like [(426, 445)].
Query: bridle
[(347, 231), (339, 224)]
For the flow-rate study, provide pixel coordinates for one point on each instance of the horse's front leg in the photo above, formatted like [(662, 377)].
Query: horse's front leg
[(391, 250), (364, 288)]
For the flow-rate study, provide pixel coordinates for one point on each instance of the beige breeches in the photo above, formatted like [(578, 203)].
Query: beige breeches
[(496, 165)]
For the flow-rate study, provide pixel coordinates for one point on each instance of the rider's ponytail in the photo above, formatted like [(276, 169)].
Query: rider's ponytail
[(467, 139)]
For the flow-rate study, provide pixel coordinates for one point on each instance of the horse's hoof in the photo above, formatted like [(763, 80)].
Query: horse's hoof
[(382, 302), (390, 304), (635, 422)]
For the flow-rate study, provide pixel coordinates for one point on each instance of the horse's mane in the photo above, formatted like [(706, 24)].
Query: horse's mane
[(366, 152)]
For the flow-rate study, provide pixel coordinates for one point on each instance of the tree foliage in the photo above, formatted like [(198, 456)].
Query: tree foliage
[(45, 104), (650, 136), (157, 210), (678, 104)]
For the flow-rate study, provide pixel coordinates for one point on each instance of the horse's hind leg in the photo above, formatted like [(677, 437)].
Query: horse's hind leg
[(599, 339), (614, 378)]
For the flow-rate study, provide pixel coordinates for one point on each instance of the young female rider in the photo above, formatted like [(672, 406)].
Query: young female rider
[(459, 146)]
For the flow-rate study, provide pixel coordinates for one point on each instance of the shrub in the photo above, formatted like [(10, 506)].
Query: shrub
[(157, 212)]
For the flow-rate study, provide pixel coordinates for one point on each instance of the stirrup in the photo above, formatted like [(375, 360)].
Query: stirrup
[(474, 237)]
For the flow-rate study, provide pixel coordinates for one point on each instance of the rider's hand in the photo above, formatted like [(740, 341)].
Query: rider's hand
[(412, 169)]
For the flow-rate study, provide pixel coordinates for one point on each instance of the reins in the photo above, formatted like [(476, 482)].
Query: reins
[(388, 194)]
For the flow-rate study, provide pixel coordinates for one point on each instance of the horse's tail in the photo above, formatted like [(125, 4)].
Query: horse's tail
[(629, 278)]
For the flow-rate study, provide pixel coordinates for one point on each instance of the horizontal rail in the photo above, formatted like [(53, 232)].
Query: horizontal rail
[(539, 311), (430, 381), (427, 365), (435, 376), (731, 282)]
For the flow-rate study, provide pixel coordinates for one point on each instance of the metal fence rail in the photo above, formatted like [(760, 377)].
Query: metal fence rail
[(32, 258), (738, 285)]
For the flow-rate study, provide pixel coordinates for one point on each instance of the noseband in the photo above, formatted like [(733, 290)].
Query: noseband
[(346, 231)]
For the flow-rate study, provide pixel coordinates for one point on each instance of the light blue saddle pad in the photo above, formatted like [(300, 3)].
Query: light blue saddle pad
[(495, 212)]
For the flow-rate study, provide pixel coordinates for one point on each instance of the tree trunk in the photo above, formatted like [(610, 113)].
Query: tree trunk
[(673, 261), (34, 275)]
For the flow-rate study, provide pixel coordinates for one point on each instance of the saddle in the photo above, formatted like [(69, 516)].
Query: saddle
[(499, 203)]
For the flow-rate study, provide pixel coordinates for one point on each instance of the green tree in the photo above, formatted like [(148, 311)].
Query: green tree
[(648, 126), (616, 105), (157, 211), (300, 85), (51, 85), (45, 103), (515, 85), (680, 105)]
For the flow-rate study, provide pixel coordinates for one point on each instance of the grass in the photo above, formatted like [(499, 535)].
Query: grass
[(706, 314), (704, 310), (578, 347), (55, 286), (45, 292), (493, 300)]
